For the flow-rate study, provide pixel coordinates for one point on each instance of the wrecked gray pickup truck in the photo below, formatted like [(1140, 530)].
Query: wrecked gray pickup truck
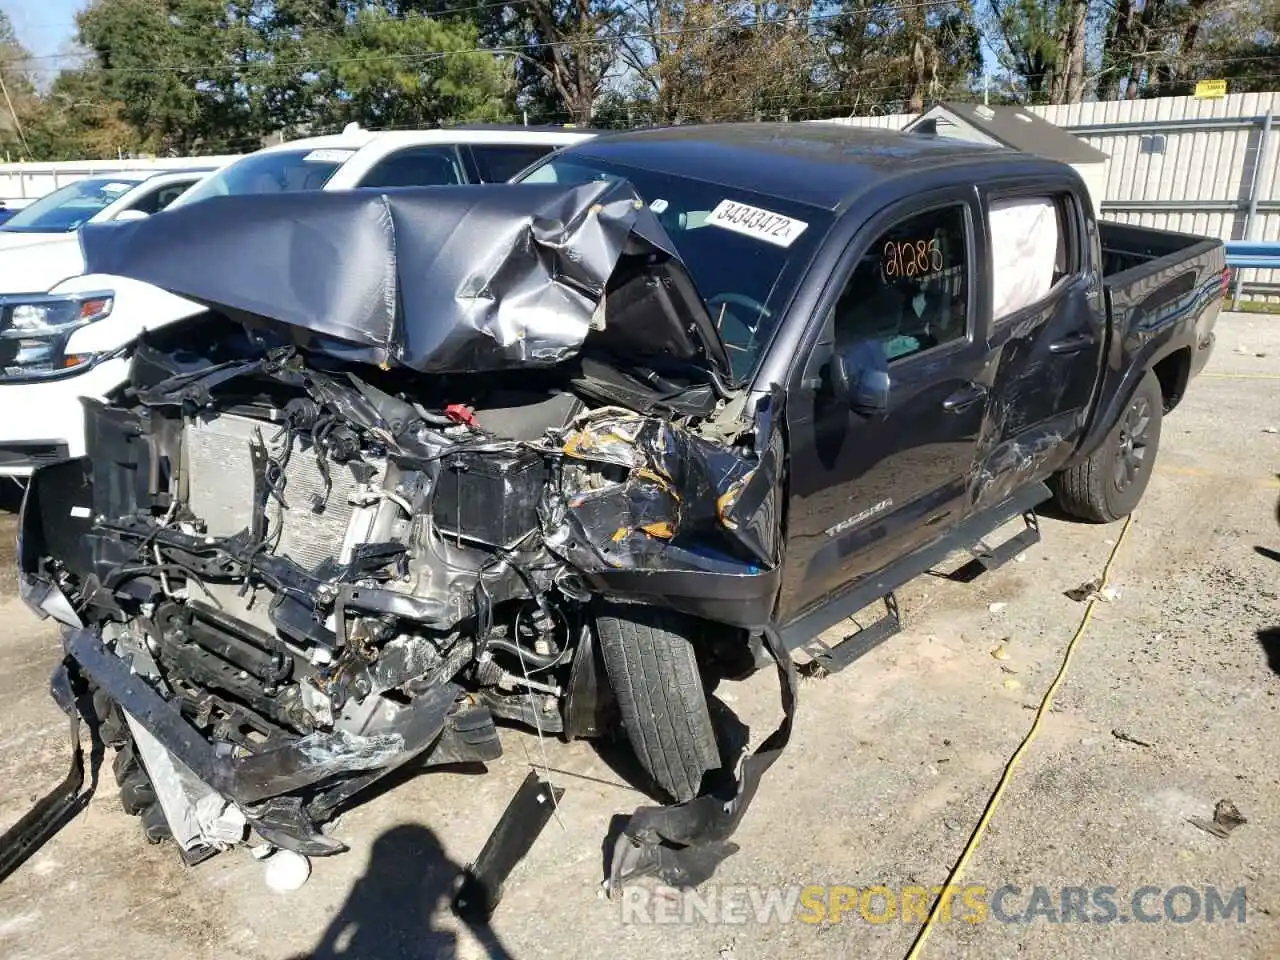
[(566, 453)]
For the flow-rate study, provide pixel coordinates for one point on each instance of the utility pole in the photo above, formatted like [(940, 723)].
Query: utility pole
[(17, 124)]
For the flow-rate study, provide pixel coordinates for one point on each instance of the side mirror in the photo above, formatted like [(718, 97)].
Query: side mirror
[(131, 215), (860, 377)]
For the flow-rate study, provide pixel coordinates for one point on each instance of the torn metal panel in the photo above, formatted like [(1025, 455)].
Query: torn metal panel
[(198, 816), (435, 279), (640, 493)]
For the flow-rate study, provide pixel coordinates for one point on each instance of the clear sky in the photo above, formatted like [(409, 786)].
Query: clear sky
[(43, 26)]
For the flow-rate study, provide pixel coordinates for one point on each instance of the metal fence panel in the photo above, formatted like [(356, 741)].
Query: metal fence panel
[(20, 183), (1177, 163)]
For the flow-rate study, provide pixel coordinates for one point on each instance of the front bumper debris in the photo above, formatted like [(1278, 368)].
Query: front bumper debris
[(57, 808), (259, 783), (313, 542), (479, 888), (683, 844)]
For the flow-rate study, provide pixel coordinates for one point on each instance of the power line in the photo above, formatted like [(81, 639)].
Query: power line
[(320, 62), (451, 12), (838, 109), (605, 40)]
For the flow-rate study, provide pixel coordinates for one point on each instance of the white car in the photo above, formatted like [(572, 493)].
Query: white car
[(123, 195), (70, 337)]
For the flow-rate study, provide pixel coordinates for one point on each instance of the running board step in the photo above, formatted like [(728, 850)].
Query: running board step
[(855, 646), (987, 558), (855, 597)]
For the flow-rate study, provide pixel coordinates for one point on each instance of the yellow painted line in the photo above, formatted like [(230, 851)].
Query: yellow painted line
[(1272, 483), (1242, 376), (1046, 704)]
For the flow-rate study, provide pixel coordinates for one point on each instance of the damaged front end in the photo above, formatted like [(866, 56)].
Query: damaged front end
[(360, 511)]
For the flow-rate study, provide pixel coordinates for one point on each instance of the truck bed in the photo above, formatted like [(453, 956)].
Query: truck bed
[(1126, 248), (1152, 277), (1163, 293)]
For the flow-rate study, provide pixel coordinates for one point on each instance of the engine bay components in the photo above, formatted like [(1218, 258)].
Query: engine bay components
[(305, 549)]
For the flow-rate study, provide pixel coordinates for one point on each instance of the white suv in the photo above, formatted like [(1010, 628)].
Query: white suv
[(70, 337), (124, 195)]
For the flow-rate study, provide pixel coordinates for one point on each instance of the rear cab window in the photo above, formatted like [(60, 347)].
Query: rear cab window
[(1034, 248)]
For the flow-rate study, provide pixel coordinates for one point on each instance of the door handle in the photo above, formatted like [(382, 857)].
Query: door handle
[(963, 398), (1072, 344)]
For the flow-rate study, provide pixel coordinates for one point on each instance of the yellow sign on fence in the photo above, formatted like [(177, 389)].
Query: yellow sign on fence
[(1210, 89)]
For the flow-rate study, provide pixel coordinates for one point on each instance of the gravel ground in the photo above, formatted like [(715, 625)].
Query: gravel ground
[(889, 770)]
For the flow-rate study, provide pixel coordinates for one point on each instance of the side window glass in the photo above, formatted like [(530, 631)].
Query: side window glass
[(416, 167), (499, 163), (170, 194), (148, 202), (159, 198), (910, 291), (1030, 252)]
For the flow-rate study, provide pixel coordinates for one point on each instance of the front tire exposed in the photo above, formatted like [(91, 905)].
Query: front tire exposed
[(138, 796), (650, 658), (1108, 484)]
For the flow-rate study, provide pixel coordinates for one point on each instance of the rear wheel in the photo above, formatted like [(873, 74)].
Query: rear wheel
[(1108, 484), (649, 655)]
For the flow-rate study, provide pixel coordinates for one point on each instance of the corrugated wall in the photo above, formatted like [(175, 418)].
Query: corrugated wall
[(1178, 163)]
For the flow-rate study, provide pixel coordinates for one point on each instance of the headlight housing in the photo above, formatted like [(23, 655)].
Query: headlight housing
[(35, 328)]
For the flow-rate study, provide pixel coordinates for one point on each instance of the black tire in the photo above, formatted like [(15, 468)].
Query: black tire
[(137, 793), (1108, 484), (125, 763), (650, 659), (112, 727), (154, 826)]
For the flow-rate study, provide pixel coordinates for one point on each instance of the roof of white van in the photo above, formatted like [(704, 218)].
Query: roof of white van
[(356, 138)]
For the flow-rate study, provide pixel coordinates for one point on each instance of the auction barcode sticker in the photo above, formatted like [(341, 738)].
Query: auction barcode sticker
[(754, 222)]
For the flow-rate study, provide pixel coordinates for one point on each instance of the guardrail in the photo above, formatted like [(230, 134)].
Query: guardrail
[(1257, 254)]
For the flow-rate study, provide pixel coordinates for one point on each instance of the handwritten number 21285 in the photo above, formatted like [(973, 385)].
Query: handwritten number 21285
[(912, 258)]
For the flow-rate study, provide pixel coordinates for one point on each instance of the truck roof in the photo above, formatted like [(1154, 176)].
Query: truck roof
[(819, 164)]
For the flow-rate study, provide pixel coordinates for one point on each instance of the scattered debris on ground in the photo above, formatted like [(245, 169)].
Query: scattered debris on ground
[(1226, 817), (1092, 590), (1121, 735)]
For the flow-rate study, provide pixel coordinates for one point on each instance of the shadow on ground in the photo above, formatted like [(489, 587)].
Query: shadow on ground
[(10, 496), (10, 503), (1270, 640), (394, 910)]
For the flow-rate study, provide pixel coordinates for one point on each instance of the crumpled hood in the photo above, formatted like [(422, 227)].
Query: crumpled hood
[(435, 279), (39, 267)]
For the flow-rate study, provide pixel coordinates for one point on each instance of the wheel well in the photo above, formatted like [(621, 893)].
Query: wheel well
[(1173, 372)]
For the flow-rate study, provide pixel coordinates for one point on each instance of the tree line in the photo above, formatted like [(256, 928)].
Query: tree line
[(169, 77)]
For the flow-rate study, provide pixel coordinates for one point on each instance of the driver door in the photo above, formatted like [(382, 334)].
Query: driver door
[(869, 487)]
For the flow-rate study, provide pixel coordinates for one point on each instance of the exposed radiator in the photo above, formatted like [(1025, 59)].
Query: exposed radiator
[(219, 471)]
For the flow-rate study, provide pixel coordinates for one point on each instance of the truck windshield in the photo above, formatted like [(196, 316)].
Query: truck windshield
[(745, 251), (66, 209), (275, 171)]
